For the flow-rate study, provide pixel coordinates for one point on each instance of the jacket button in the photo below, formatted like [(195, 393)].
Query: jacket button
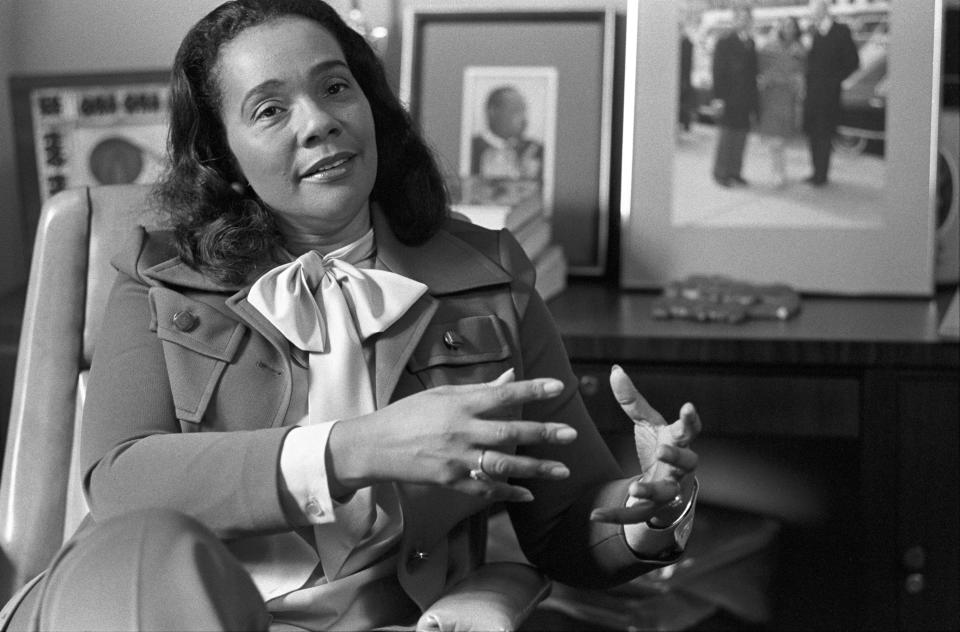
[(314, 508), (420, 556), (185, 321), (452, 339)]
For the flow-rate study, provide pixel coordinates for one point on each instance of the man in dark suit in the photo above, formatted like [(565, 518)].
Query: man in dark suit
[(832, 58), (735, 91), (686, 94)]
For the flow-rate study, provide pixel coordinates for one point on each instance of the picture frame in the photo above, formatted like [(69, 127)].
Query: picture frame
[(440, 44), (869, 231), (86, 129), (518, 100)]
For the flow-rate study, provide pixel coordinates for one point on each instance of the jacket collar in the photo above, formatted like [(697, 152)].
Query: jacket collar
[(444, 263)]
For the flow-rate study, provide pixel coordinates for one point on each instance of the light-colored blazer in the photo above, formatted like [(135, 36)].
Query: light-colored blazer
[(186, 367)]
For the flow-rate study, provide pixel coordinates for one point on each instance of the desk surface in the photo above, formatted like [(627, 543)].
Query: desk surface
[(601, 323)]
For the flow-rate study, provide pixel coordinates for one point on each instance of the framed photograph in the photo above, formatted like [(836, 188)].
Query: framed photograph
[(507, 135), (863, 226), (459, 66), (91, 129)]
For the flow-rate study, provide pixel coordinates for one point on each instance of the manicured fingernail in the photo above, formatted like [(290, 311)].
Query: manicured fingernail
[(566, 434), (552, 387), (616, 367), (524, 497), (559, 471)]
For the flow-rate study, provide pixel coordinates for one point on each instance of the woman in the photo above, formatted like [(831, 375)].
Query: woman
[(781, 66), (314, 380)]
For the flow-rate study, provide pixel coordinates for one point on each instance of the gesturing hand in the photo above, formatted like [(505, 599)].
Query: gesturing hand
[(666, 460), (450, 436)]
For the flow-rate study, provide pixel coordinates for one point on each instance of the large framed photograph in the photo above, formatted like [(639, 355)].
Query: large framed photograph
[(865, 226), (88, 129), (500, 94)]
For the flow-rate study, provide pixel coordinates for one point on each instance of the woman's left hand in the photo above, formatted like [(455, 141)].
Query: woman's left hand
[(666, 460)]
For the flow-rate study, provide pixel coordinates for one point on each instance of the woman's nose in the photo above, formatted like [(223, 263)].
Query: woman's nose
[(316, 124)]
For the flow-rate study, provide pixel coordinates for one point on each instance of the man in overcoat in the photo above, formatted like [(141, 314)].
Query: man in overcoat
[(832, 58), (735, 90)]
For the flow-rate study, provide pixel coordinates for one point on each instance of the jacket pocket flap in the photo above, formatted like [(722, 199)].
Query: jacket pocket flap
[(466, 341), (194, 325)]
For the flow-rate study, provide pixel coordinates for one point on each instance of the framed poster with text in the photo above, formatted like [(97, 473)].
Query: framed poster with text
[(76, 130)]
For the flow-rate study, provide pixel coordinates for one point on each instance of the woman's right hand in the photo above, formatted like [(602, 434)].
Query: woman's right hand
[(440, 435)]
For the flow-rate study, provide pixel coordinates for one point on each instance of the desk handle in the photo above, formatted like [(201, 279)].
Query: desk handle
[(914, 560)]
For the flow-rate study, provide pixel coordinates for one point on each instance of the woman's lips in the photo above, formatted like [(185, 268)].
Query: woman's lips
[(329, 168)]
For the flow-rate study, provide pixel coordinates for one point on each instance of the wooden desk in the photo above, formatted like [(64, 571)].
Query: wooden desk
[(864, 385)]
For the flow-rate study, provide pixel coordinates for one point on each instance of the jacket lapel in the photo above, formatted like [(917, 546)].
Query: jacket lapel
[(445, 264), (394, 347), (174, 272)]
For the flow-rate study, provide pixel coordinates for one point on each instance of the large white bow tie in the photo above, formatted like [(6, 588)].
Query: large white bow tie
[(298, 297)]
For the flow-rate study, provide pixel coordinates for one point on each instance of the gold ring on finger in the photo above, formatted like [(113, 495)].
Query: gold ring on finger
[(478, 473)]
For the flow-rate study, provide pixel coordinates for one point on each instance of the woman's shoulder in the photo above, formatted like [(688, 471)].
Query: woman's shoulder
[(488, 242), (143, 248), (499, 246), (477, 236)]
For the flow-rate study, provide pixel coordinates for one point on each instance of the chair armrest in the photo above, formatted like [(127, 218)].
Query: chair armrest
[(496, 596)]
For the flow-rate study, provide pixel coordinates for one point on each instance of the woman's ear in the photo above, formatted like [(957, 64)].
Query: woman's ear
[(238, 183)]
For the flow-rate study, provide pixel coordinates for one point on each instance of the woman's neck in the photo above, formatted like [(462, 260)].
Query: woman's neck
[(299, 240)]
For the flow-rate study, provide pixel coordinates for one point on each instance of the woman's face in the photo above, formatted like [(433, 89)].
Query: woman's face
[(298, 124), (789, 30)]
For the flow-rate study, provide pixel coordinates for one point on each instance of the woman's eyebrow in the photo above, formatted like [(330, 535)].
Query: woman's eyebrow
[(271, 85), (330, 64)]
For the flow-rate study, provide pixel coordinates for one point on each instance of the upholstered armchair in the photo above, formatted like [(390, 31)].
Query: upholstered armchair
[(41, 502)]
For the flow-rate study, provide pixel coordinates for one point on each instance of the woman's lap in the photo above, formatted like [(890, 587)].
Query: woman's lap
[(155, 569)]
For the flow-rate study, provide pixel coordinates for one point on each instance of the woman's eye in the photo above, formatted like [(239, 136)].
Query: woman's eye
[(337, 87), (267, 112)]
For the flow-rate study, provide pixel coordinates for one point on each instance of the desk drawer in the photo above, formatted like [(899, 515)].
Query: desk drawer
[(734, 402)]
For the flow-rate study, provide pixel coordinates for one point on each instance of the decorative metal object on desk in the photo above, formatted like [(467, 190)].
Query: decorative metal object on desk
[(727, 300)]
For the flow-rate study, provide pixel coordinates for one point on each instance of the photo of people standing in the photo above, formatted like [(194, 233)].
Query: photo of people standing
[(832, 58), (735, 96), (785, 96)]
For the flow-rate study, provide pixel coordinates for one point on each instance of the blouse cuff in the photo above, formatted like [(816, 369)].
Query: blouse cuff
[(304, 471)]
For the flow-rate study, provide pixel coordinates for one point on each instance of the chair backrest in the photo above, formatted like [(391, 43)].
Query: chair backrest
[(41, 502)]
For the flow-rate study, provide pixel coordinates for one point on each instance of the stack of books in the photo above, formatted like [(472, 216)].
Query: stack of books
[(532, 228)]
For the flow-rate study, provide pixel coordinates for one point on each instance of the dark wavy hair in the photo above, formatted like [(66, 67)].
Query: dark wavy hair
[(225, 230)]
